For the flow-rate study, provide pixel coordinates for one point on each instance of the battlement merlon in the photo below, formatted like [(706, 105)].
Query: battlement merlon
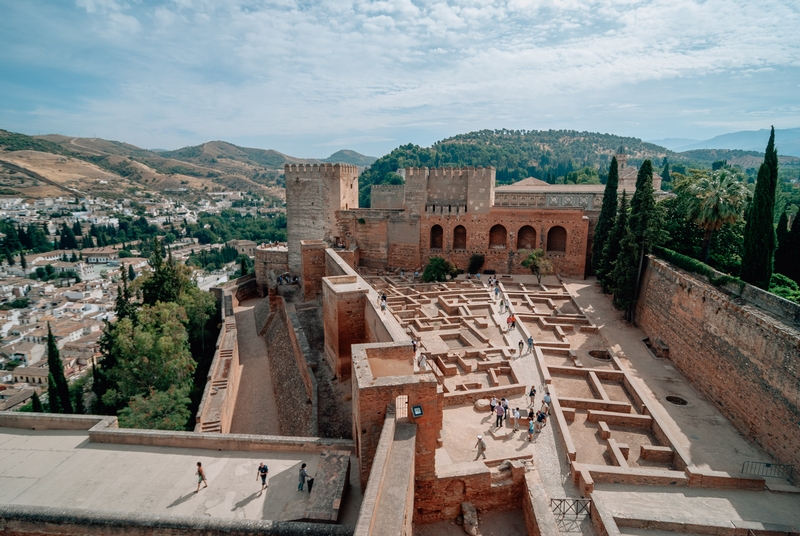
[(315, 169)]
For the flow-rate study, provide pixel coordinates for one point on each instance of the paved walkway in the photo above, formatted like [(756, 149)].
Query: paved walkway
[(60, 468), (256, 410)]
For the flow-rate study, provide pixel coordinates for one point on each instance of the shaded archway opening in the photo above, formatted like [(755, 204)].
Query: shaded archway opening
[(557, 240), (436, 237), (497, 237), (526, 238), (460, 237)]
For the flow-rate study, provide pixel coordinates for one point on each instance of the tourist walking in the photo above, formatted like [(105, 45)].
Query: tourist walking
[(532, 396), (530, 427), (493, 403), (262, 472), (530, 344), (498, 422), (541, 421), (502, 305), (504, 403), (547, 398), (481, 448), (516, 419), (496, 293), (201, 477), (414, 346), (521, 346), (303, 476)]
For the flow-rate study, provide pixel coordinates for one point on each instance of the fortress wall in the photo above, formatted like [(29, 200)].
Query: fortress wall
[(216, 408), (293, 387), (270, 262), (742, 359), (313, 255), (387, 196)]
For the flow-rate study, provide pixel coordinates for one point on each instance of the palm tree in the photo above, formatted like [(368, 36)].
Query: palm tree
[(712, 200)]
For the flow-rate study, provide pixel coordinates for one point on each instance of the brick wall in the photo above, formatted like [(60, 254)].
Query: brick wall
[(313, 255), (743, 360), (343, 309), (387, 196)]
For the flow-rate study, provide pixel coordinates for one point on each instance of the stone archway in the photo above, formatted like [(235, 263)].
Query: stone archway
[(497, 237), (557, 240), (460, 237)]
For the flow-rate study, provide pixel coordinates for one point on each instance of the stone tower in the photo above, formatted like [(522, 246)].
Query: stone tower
[(313, 195)]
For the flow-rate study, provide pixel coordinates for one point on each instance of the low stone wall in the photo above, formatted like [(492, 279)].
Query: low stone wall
[(41, 520), (539, 517), (290, 376), (215, 412), (440, 499)]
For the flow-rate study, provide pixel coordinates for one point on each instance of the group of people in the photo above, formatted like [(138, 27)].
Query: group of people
[(287, 280), (262, 472), (501, 410)]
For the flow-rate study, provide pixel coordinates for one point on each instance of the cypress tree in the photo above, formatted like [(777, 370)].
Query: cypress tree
[(57, 372), (605, 223), (22, 262), (625, 274), (759, 233), (76, 229), (131, 273), (612, 247), (36, 404), (9, 257), (643, 207), (53, 399), (782, 252)]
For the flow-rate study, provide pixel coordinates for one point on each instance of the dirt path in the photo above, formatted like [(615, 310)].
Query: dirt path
[(256, 410)]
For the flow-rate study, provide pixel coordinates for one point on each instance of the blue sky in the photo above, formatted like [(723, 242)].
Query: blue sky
[(308, 78)]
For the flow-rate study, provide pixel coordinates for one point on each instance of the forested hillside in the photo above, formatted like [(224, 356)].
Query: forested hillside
[(546, 155)]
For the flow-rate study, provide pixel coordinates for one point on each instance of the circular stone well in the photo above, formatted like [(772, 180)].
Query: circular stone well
[(600, 355), (678, 401)]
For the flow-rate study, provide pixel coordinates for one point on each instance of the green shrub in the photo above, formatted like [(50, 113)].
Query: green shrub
[(475, 263)]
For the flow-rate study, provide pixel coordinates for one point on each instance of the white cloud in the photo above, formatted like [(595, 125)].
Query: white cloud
[(298, 68)]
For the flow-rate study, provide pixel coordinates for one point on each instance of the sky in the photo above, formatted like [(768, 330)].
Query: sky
[(308, 78)]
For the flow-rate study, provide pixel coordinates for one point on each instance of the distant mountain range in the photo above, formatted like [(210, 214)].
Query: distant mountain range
[(105, 167), (787, 141)]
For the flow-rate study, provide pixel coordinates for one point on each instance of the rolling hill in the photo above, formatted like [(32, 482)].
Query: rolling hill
[(212, 166)]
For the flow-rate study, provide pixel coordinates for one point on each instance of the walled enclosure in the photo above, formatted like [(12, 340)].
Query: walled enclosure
[(746, 362)]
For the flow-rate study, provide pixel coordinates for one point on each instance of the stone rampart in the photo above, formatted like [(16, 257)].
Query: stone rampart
[(294, 388), (19, 520), (270, 262), (742, 359), (215, 411)]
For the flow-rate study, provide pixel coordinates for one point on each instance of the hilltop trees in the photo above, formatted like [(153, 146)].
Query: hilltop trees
[(759, 233), (605, 222)]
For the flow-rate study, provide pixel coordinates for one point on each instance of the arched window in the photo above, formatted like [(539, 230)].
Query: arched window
[(526, 238), (436, 237), (459, 237), (557, 239), (497, 237)]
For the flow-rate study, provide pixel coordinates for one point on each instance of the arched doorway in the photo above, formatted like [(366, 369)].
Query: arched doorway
[(436, 237), (497, 237), (557, 240), (526, 238), (459, 237)]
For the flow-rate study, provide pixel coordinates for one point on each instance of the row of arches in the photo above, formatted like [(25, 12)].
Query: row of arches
[(498, 238)]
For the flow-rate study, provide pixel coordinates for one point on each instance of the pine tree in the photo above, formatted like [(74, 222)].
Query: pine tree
[(36, 404), (782, 252), (612, 247), (605, 222), (759, 233), (56, 368)]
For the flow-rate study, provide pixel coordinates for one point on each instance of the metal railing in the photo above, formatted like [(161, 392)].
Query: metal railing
[(773, 470), (564, 507)]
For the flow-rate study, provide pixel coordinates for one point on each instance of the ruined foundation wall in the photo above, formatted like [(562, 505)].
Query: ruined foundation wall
[(745, 361)]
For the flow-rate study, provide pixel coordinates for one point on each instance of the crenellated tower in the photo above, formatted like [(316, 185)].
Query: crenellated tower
[(314, 192)]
